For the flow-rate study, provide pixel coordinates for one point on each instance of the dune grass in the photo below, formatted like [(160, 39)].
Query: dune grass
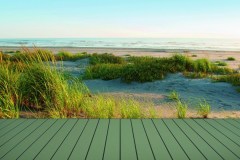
[(68, 56), (31, 80), (234, 79), (147, 69), (182, 108), (174, 95), (231, 59), (204, 109)]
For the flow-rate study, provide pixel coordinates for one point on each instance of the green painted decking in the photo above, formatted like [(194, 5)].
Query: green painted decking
[(120, 139)]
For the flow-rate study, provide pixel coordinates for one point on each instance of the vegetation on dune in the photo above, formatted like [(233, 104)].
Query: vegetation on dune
[(105, 58), (234, 79), (231, 59), (147, 69), (174, 95), (221, 63), (67, 56), (31, 80), (181, 109), (204, 109)]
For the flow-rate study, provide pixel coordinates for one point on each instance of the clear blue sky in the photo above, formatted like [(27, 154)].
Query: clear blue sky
[(120, 18)]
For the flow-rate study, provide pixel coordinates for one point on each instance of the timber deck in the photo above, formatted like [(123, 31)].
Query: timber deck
[(120, 139)]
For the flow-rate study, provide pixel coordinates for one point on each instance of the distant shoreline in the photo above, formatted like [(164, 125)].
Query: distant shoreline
[(69, 48), (195, 54)]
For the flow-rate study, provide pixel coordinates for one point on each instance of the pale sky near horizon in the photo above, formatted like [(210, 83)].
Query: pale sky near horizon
[(120, 18)]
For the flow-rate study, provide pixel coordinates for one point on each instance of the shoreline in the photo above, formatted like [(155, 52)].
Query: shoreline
[(69, 48)]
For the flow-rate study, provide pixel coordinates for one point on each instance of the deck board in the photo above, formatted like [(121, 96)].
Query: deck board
[(120, 139), (218, 146)]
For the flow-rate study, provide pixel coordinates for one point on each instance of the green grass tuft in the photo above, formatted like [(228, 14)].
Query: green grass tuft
[(204, 109)]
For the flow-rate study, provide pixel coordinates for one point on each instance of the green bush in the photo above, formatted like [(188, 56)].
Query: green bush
[(67, 56), (234, 79), (105, 58), (221, 63), (231, 59), (103, 71)]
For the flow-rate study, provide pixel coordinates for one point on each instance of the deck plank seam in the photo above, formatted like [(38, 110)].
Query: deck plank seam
[(162, 139), (134, 140), (232, 124), (13, 128), (148, 139), (8, 124), (222, 133), (92, 139), (176, 140), (189, 139), (226, 128), (50, 139), (36, 139), (106, 139), (203, 139), (120, 139), (64, 139), (218, 140), (18, 133), (236, 121), (23, 139), (78, 139)]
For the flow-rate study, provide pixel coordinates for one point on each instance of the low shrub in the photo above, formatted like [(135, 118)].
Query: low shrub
[(67, 56), (234, 79), (103, 71), (231, 59), (105, 58), (221, 63)]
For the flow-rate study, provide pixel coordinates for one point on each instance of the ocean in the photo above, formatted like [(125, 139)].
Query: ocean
[(152, 43)]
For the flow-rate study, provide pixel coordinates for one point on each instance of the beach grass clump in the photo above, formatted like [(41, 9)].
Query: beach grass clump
[(131, 109), (142, 73), (72, 101), (4, 57), (148, 69), (181, 109), (35, 55), (99, 107), (9, 96), (204, 109), (41, 86), (68, 56), (221, 70), (103, 71), (105, 58), (234, 79), (195, 75), (174, 96), (231, 59), (221, 63), (202, 65)]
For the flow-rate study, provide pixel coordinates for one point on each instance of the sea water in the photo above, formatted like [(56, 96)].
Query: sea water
[(152, 43)]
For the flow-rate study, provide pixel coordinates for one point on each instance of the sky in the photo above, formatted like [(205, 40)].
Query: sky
[(120, 19)]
